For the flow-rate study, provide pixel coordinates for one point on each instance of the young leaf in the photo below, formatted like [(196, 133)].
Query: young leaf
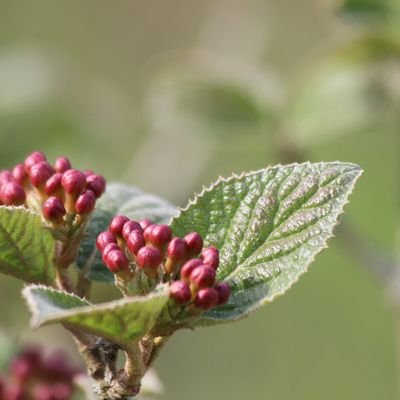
[(121, 320), (118, 199), (26, 247), (268, 226)]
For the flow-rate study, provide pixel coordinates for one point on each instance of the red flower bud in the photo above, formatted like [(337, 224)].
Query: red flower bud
[(203, 276), (160, 235), (116, 261), (62, 164), (206, 298), (210, 256), (74, 182), (104, 239), (88, 172), (96, 183), (180, 292), (34, 158), (148, 258), (40, 173), (188, 267), (144, 223), (19, 173), (135, 241), (176, 249), (117, 224), (129, 227), (53, 209), (53, 185), (85, 203), (224, 291), (14, 392), (109, 247), (147, 232), (194, 243), (21, 369), (12, 193), (6, 176)]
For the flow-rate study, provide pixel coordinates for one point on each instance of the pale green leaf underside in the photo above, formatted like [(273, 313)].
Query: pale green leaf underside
[(121, 320), (118, 200), (26, 246), (268, 226)]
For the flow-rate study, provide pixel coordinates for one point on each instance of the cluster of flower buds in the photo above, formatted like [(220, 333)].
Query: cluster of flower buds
[(57, 189), (130, 246), (35, 377)]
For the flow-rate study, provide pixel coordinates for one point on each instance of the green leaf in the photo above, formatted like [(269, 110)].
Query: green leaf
[(121, 320), (26, 246), (366, 8), (118, 199), (268, 225)]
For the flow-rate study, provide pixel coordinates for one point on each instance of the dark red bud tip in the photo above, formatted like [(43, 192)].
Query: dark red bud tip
[(117, 224), (129, 227), (224, 291), (74, 182), (188, 268), (12, 193), (85, 203), (34, 158), (194, 243), (177, 249), (210, 256), (160, 235), (53, 209), (96, 183), (104, 239), (206, 298), (148, 258), (40, 173), (19, 173), (109, 247), (53, 184), (116, 261), (145, 223), (203, 276), (62, 164), (6, 176), (135, 241), (180, 292)]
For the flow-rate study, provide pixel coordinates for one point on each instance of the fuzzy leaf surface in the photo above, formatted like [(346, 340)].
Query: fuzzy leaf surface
[(121, 320), (118, 200), (26, 246), (268, 225)]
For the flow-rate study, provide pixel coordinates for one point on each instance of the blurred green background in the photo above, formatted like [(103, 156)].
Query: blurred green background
[(168, 95)]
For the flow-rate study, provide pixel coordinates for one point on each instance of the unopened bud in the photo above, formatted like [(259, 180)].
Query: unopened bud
[(129, 227), (53, 209), (135, 241), (6, 176), (180, 292), (160, 235), (62, 164), (116, 261), (148, 258), (74, 182), (117, 224), (206, 298), (12, 193), (188, 268), (19, 174), (109, 247), (96, 183), (203, 276), (34, 158), (224, 291), (210, 256), (144, 223), (103, 239), (40, 173), (194, 243), (53, 185), (85, 203), (176, 251)]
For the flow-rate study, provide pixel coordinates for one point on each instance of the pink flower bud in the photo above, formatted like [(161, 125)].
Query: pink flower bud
[(14, 392), (34, 158), (144, 223), (96, 183), (6, 176), (12, 193), (53, 185), (148, 258), (21, 369), (88, 172), (103, 239), (206, 298), (116, 261), (129, 227), (19, 173), (117, 224), (210, 256), (109, 247), (85, 203), (40, 173), (224, 291), (73, 182), (160, 235), (180, 292), (62, 164), (194, 243), (203, 276), (147, 232), (176, 249), (188, 267), (53, 209), (135, 241)]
